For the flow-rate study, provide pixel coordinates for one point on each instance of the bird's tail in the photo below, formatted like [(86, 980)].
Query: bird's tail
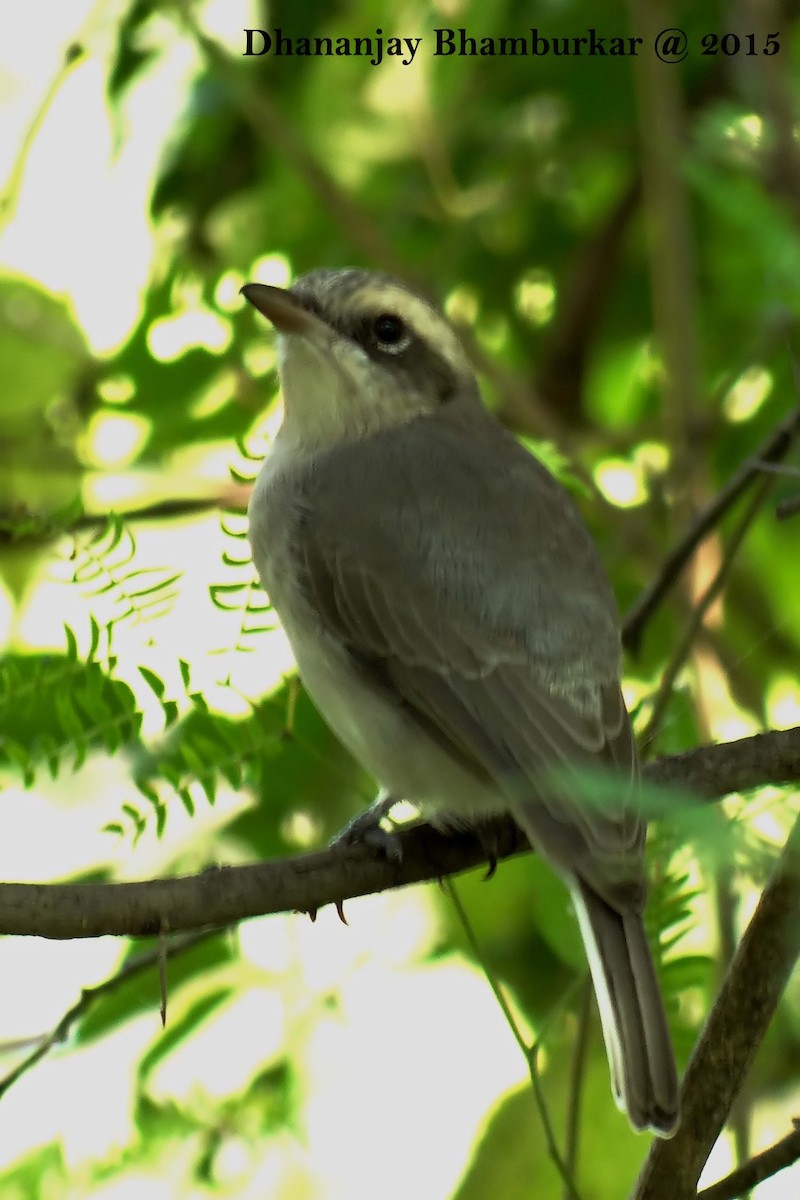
[(632, 1014)]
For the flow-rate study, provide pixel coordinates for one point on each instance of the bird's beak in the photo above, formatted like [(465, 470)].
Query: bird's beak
[(282, 309)]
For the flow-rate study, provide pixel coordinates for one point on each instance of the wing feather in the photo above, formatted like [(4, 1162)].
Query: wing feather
[(498, 636)]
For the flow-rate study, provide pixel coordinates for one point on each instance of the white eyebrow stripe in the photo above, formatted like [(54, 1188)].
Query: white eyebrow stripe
[(421, 318)]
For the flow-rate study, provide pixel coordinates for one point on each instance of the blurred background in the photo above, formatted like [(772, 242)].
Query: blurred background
[(620, 240)]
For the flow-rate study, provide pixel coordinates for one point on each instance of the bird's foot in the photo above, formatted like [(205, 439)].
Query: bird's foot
[(490, 834), (366, 829)]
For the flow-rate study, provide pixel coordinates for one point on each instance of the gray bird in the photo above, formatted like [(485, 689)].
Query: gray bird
[(452, 622)]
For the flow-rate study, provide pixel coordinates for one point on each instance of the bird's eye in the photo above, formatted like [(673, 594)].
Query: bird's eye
[(390, 333)]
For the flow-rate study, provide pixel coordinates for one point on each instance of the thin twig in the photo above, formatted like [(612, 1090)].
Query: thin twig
[(788, 508), (89, 996), (163, 949), (762, 1166), (773, 449), (531, 1052), (9, 197), (682, 650), (19, 528), (577, 1078)]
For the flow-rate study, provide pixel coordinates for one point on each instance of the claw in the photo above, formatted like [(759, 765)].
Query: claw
[(340, 911), (487, 835), (365, 829)]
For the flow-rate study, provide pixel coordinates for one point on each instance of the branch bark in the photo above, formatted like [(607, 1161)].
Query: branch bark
[(222, 895), (762, 1166)]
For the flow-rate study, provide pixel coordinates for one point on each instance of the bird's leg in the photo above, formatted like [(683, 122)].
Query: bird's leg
[(365, 829)]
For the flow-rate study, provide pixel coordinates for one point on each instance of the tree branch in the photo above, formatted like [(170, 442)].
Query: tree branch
[(758, 1168), (222, 895), (788, 508), (585, 293), (772, 450), (24, 527), (698, 614), (738, 1021), (135, 966)]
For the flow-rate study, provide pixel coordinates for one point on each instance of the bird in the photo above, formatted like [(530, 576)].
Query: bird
[(452, 621)]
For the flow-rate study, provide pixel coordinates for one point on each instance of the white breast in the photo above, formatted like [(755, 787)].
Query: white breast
[(377, 731)]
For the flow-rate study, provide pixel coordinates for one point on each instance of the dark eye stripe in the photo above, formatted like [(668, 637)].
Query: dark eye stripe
[(414, 359), (380, 335)]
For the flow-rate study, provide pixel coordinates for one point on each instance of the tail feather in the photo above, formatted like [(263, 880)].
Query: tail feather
[(632, 1014)]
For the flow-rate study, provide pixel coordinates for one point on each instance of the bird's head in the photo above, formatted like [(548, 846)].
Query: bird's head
[(360, 352)]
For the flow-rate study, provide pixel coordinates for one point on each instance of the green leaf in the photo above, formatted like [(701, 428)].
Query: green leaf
[(157, 685), (72, 644)]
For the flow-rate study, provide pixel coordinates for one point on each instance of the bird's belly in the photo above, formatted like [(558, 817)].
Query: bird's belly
[(375, 728), (385, 738)]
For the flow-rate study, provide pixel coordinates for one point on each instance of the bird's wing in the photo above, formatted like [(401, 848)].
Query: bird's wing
[(457, 572)]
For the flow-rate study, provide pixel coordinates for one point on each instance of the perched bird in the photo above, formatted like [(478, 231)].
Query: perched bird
[(452, 622)]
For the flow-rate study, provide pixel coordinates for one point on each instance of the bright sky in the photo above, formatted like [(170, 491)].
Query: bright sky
[(81, 226)]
